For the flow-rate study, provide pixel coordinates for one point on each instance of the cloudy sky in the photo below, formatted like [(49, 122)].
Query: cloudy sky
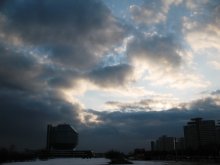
[(121, 72)]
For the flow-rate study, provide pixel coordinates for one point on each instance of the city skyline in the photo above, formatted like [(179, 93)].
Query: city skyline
[(200, 135), (121, 72)]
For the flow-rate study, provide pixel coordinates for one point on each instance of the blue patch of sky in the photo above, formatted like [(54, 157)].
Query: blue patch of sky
[(113, 59), (174, 19), (120, 8)]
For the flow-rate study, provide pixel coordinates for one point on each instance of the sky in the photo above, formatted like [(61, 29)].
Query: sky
[(121, 72)]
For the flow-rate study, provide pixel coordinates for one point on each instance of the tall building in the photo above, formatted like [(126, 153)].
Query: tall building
[(199, 133), (218, 134), (61, 137), (165, 143), (179, 144), (152, 144)]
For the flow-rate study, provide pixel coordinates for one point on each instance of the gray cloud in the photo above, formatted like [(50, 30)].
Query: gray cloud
[(141, 105), (73, 33), (22, 71), (205, 13), (112, 76), (57, 77), (18, 70), (155, 49), (150, 9), (217, 92)]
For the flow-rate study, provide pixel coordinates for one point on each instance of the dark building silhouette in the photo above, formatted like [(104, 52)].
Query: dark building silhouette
[(201, 141), (179, 144), (152, 144), (199, 133), (218, 133), (165, 143), (61, 137)]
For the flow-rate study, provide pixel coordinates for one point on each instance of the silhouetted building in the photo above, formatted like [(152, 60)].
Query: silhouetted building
[(218, 133), (152, 144), (165, 143), (139, 153), (179, 144), (61, 137), (199, 133)]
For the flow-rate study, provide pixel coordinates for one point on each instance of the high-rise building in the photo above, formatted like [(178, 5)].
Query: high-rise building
[(165, 143), (152, 144), (218, 134), (61, 137), (179, 144), (199, 133)]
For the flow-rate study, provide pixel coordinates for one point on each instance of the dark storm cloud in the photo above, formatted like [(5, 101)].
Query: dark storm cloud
[(18, 70), (112, 76), (30, 99), (24, 117), (74, 33), (56, 77), (48, 45)]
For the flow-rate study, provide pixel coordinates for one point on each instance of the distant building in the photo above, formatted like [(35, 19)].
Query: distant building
[(139, 153), (152, 144), (165, 143), (218, 134), (199, 133), (61, 137), (179, 144)]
